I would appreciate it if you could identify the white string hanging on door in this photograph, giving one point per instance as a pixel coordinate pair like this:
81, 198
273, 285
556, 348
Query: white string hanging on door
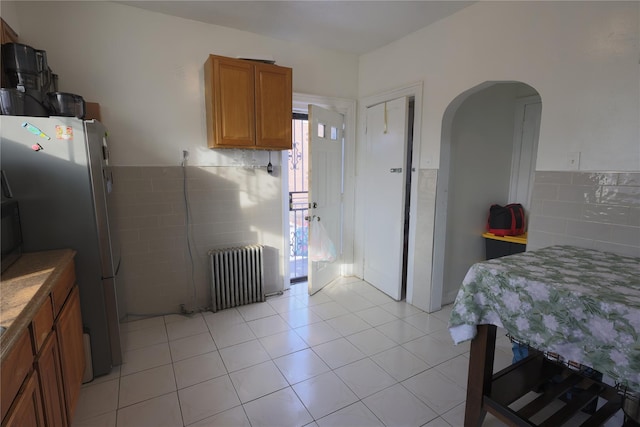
385, 118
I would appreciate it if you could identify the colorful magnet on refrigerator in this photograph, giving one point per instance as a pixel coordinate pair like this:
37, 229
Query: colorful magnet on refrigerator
37, 147
34, 130
64, 132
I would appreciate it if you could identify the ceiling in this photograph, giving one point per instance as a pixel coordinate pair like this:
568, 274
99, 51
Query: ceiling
354, 27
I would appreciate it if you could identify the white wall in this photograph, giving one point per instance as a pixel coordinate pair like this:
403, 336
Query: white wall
582, 57
8, 13
146, 71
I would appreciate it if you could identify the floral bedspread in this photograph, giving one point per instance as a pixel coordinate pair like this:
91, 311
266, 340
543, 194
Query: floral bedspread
580, 303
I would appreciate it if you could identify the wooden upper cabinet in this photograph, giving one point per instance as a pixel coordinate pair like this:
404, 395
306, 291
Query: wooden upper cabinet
7, 35
274, 106
248, 104
233, 103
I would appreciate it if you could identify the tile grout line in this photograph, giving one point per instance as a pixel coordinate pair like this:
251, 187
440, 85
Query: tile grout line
173, 369
309, 347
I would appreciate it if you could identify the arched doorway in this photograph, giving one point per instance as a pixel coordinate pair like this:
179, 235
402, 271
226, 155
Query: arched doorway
481, 162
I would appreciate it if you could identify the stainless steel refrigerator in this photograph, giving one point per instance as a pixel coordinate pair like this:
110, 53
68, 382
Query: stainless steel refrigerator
58, 171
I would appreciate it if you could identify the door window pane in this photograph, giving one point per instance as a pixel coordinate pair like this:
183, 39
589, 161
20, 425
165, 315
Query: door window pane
334, 133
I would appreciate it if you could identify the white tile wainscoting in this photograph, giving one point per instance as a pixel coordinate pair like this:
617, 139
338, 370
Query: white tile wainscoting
597, 210
228, 206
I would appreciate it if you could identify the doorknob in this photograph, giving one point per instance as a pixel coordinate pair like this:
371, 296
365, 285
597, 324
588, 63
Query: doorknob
395, 170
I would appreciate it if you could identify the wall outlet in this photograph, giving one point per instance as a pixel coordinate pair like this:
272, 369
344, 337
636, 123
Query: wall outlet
573, 160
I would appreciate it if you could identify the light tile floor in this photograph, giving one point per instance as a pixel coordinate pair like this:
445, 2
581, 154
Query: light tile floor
347, 356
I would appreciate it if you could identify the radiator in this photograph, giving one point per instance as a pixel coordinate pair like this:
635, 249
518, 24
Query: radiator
236, 276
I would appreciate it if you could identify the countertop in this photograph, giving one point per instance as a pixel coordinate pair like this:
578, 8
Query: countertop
24, 287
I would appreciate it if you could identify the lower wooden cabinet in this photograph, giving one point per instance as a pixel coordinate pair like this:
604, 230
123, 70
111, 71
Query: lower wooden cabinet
42, 369
27, 408
69, 329
15, 368
50, 371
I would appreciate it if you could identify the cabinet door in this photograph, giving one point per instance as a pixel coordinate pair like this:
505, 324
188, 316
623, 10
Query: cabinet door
63, 286
14, 369
71, 346
42, 324
48, 367
231, 97
274, 107
27, 408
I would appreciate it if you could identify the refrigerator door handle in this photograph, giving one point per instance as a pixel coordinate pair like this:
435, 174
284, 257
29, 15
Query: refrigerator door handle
118, 267
108, 179
6, 189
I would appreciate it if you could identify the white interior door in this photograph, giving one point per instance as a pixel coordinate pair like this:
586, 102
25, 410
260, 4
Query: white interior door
326, 140
384, 184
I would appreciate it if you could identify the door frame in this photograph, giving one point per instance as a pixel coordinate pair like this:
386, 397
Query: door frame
435, 295
434, 301
413, 91
520, 109
347, 107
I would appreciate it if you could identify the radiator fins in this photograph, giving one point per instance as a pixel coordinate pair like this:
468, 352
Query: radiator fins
236, 276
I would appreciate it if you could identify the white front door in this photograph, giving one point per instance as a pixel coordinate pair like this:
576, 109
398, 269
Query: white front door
326, 140
384, 182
